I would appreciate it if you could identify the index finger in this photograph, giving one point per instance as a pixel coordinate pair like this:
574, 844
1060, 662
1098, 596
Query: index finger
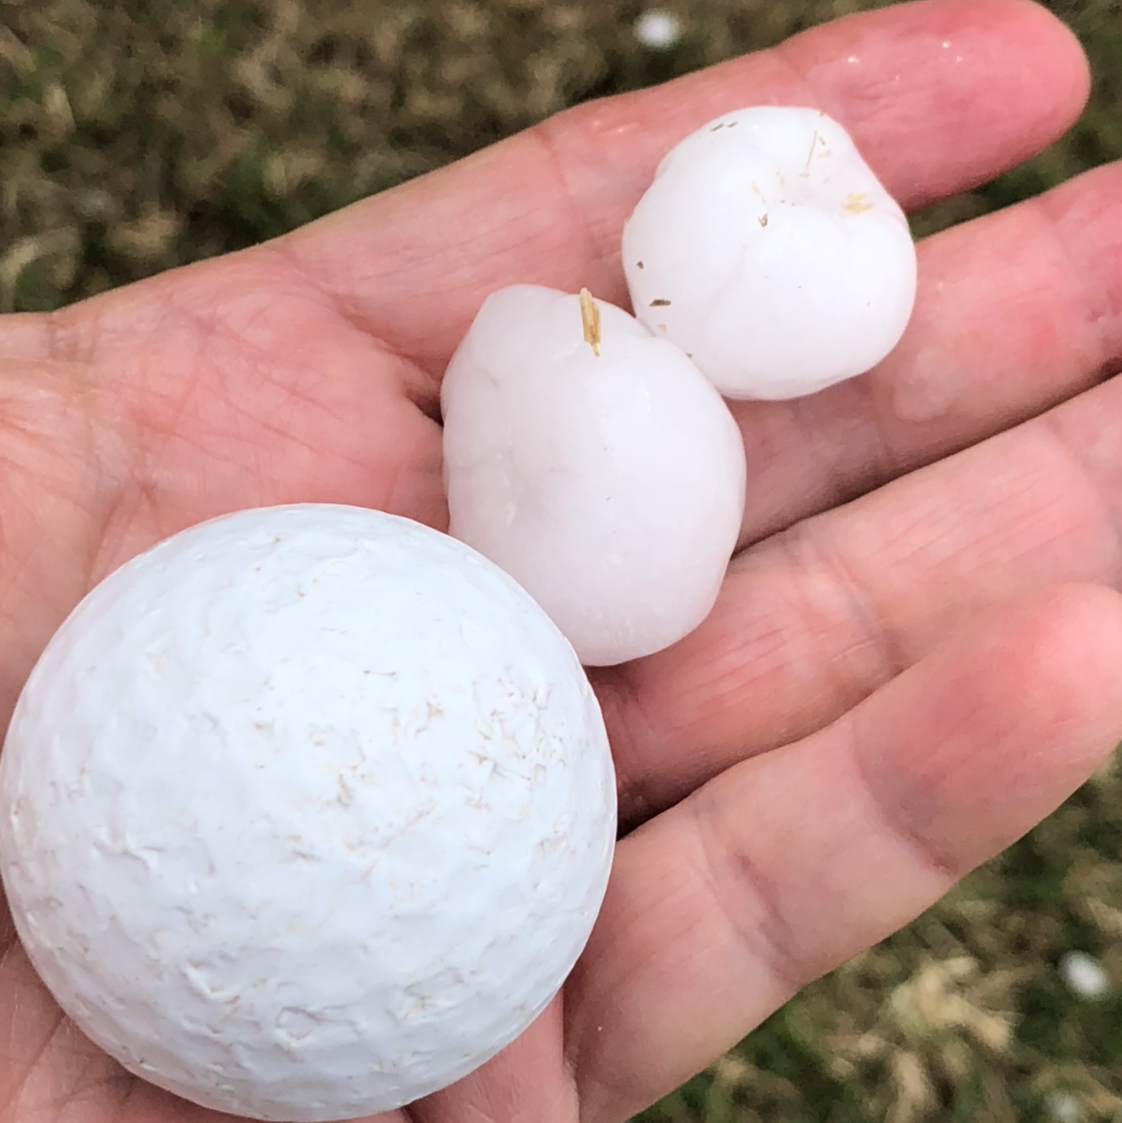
412, 266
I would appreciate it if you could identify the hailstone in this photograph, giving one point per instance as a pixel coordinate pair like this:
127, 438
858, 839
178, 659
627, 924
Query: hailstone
595, 464
769, 251
306, 812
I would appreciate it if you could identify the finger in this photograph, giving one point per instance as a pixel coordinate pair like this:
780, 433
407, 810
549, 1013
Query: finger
939, 94
721, 908
813, 620
1015, 312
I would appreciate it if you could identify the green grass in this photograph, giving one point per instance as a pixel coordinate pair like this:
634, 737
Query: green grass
144, 134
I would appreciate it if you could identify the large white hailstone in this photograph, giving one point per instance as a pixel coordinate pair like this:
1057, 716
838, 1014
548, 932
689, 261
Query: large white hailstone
596, 465
768, 250
306, 812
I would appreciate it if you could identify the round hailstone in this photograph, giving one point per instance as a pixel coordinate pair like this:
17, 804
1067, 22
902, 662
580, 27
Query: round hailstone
1085, 975
767, 249
596, 465
658, 30
306, 812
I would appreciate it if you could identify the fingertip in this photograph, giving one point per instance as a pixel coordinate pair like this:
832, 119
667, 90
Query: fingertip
1072, 638
1056, 49
995, 62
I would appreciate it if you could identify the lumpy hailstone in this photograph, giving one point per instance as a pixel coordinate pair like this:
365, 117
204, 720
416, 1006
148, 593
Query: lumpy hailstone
768, 250
600, 469
306, 812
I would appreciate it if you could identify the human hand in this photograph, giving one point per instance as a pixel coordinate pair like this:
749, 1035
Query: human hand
899, 677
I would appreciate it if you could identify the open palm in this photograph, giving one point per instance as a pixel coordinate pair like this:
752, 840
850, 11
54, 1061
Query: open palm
914, 657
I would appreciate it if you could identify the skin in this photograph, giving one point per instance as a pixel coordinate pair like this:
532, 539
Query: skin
914, 658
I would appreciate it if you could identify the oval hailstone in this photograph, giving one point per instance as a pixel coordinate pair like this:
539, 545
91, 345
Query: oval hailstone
596, 465
305, 812
768, 250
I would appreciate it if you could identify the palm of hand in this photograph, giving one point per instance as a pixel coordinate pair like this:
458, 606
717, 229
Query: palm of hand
812, 767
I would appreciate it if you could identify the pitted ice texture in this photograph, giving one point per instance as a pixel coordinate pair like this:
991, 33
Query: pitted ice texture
306, 812
610, 485
768, 250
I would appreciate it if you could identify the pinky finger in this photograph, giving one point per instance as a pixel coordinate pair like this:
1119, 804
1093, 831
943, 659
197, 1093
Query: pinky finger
791, 862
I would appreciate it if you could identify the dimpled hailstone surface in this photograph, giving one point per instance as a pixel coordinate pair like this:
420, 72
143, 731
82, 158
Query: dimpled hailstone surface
767, 249
610, 486
306, 812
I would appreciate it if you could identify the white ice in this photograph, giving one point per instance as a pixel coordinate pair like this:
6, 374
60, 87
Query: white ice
658, 30
768, 250
610, 486
1084, 975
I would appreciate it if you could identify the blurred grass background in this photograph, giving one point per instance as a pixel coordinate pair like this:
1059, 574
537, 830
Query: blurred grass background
142, 134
